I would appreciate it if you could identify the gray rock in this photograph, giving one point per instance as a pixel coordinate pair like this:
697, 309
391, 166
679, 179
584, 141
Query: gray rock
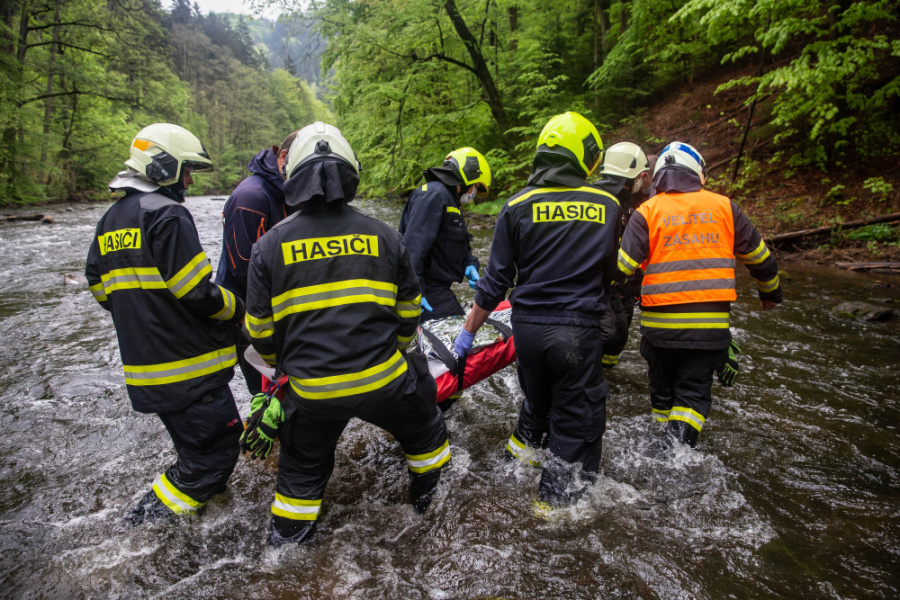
862, 311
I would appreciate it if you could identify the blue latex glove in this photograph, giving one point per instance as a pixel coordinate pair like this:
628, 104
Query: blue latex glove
463, 343
425, 305
472, 274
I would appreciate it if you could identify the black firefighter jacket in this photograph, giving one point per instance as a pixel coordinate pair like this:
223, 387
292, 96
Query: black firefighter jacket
557, 246
332, 300
146, 267
436, 237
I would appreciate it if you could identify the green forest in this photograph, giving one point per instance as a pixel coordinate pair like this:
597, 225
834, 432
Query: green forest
815, 82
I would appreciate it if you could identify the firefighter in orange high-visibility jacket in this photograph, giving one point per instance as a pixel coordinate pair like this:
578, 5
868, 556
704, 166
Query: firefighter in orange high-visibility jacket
686, 240
177, 330
333, 301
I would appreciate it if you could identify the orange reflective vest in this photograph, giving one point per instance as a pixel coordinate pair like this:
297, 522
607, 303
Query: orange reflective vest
691, 249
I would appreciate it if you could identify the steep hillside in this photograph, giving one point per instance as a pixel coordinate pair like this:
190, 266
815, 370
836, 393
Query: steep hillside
777, 198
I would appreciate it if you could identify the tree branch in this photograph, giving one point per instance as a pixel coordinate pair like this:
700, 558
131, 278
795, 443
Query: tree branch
67, 45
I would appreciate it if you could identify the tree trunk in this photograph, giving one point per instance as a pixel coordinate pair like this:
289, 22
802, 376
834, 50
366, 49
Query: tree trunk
48, 102
479, 66
513, 12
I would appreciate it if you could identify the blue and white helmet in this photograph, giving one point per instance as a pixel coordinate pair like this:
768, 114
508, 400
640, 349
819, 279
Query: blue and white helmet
679, 153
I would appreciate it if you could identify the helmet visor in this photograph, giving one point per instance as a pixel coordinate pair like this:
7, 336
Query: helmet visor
197, 166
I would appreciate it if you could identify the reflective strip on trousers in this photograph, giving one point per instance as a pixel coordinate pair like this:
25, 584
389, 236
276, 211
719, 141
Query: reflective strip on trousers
701, 320
129, 278
338, 386
339, 293
181, 370
688, 415
189, 276
178, 502
661, 415
610, 359
697, 264
259, 327
423, 463
522, 452
757, 256
692, 285
409, 309
229, 304
296, 509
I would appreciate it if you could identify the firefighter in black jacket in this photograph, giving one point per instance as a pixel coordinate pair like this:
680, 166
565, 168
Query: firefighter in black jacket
176, 329
333, 301
435, 231
626, 172
555, 242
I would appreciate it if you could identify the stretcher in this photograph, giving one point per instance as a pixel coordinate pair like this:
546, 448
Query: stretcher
492, 350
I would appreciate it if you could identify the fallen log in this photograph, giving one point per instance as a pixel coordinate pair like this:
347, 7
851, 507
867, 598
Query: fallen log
865, 266
8, 218
796, 235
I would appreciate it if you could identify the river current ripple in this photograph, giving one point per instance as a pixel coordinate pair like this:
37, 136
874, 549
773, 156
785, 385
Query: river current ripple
792, 492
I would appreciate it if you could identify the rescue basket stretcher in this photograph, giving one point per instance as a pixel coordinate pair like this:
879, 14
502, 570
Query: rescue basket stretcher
492, 350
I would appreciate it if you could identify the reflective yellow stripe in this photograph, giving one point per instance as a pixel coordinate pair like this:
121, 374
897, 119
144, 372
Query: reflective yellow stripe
425, 188
768, 286
181, 370
757, 256
406, 341
129, 278
177, 501
423, 463
519, 450
98, 292
338, 386
627, 264
259, 327
229, 305
610, 359
453, 209
701, 320
296, 509
661, 415
328, 295
189, 276
269, 358
555, 190
408, 309
688, 415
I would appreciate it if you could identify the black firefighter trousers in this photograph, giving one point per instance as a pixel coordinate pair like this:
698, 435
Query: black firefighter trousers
205, 435
443, 302
406, 409
681, 386
565, 402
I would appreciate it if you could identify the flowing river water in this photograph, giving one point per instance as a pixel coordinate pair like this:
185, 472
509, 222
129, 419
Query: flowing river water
791, 493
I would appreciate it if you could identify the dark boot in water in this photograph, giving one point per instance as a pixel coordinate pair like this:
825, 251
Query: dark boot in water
288, 531
683, 433
422, 488
149, 509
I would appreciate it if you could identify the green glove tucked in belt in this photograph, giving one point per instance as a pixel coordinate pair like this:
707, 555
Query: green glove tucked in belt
728, 373
262, 429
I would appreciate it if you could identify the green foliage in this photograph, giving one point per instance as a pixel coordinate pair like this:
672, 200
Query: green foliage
880, 232
87, 76
879, 187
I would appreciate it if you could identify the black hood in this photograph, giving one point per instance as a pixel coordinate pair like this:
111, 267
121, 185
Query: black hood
675, 178
321, 181
448, 176
175, 191
551, 169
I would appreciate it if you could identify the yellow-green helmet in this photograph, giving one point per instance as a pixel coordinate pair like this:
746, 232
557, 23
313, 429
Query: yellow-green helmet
572, 135
161, 151
473, 167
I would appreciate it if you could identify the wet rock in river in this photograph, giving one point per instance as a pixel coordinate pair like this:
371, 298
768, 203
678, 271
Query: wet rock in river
862, 311
74, 279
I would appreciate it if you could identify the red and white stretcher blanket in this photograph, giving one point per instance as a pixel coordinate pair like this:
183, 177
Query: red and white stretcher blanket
492, 350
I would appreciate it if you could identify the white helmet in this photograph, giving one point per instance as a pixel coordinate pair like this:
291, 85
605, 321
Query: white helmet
319, 140
625, 160
678, 153
160, 151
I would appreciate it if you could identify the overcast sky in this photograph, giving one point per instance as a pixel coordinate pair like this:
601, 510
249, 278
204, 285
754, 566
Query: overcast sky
233, 6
